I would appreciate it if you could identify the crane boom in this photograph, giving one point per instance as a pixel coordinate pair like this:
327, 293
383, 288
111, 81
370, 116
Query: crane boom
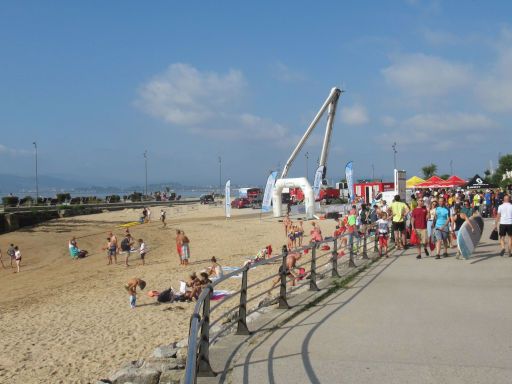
330, 104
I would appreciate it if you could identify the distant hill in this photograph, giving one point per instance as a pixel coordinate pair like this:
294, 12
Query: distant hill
14, 183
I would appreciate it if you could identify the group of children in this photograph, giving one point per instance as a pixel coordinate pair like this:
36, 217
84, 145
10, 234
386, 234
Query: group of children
14, 254
293, 232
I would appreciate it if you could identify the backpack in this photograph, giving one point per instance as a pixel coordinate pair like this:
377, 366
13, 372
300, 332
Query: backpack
125, 244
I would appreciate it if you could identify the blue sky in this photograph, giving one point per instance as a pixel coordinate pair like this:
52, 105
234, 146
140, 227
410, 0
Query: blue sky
96, 83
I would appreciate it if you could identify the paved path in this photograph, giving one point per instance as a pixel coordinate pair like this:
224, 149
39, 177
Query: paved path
403, 321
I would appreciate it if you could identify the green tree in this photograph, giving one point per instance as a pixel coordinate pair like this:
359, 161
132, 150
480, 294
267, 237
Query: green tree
445, 176
504, 166
429, 170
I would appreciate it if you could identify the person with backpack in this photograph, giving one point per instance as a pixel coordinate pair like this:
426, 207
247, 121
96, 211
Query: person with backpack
126, 247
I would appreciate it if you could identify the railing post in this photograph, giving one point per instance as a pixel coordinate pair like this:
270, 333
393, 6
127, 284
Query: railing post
283, 304
242, 309
204, 368
334, 253
351, 263
312, 274
365, 254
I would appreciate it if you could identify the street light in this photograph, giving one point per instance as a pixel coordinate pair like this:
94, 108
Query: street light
220, 175
37, 182
146, 166
307, 167
394, 153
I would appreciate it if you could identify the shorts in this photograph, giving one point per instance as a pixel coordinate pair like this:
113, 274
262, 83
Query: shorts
112, 251
185, 252
383, 240
178, 249
422, 236
143, 255
440, 235
398, 226
505, 229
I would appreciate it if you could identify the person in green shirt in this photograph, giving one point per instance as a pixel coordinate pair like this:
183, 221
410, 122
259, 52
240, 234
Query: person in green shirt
399, 211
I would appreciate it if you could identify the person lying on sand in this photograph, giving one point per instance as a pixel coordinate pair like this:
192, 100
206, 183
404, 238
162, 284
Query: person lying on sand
131, 287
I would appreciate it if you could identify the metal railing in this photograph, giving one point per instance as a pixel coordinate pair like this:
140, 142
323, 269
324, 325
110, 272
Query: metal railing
200, 337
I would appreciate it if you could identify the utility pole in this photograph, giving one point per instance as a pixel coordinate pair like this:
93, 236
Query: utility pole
394, 153
37, 181
307, 167
220, 175
146, 166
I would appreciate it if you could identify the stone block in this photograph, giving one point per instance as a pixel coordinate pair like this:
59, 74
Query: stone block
161, 364
172, 377
166, 351
136, 376
182, 343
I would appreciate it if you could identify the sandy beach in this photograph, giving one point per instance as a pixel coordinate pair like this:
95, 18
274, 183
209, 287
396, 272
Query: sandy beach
69, 321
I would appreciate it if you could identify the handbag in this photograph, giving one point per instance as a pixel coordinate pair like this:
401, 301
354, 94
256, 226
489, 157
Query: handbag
414, 238
431, 244
494, 235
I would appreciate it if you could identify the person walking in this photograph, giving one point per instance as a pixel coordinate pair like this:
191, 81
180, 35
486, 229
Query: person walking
162, 217
458, 218
419, 225
399, 211
11, 254
504, 220
442, 221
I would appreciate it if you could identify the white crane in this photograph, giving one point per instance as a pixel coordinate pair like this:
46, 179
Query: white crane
329, 105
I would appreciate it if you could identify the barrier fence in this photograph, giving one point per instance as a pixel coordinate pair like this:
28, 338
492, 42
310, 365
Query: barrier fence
203, 321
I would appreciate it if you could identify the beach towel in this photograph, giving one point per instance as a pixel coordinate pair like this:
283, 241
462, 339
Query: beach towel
183, 286
231, 269
220, 294
130, 224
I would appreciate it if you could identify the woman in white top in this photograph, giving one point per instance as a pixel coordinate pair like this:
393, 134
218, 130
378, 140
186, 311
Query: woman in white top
431, 214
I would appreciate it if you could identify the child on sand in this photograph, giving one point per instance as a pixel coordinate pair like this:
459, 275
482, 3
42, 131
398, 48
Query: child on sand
10, 252
142, 250
162, 217
111, 249
131, 287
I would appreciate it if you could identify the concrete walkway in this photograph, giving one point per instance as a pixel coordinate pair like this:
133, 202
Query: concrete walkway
402, 321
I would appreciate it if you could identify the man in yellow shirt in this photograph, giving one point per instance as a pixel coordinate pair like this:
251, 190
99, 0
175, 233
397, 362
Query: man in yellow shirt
399, 210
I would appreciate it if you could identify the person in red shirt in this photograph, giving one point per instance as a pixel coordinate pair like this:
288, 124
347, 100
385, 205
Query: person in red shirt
419, 217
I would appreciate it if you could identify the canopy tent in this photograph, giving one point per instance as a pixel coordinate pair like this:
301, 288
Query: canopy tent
413, 181
478, 183
456, 181
433, 182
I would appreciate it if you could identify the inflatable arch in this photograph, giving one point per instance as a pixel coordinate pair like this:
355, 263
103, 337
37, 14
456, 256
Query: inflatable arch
299, 182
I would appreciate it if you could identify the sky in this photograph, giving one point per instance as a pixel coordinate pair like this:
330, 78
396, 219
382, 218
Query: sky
96, 84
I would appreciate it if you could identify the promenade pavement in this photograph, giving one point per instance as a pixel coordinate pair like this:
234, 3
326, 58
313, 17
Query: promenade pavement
402, 320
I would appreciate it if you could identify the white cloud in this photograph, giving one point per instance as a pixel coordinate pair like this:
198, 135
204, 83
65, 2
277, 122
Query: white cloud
283, 73
440, 37
185, 96
206, 103
440, 131
4, 150
354, 115
419, 75
494, 89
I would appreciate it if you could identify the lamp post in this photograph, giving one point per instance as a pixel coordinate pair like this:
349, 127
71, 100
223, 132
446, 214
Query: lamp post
394, 153
220, 175
146, 167
306, 155
37, 182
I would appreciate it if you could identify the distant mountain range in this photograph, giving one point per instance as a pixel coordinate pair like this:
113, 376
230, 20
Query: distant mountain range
48, 185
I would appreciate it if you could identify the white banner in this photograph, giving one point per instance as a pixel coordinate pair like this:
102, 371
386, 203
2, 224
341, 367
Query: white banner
266, 204
400, 184
349, 175
227, 198
319, 175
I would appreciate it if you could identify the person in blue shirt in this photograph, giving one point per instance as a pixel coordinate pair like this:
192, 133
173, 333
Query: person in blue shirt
441, 228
